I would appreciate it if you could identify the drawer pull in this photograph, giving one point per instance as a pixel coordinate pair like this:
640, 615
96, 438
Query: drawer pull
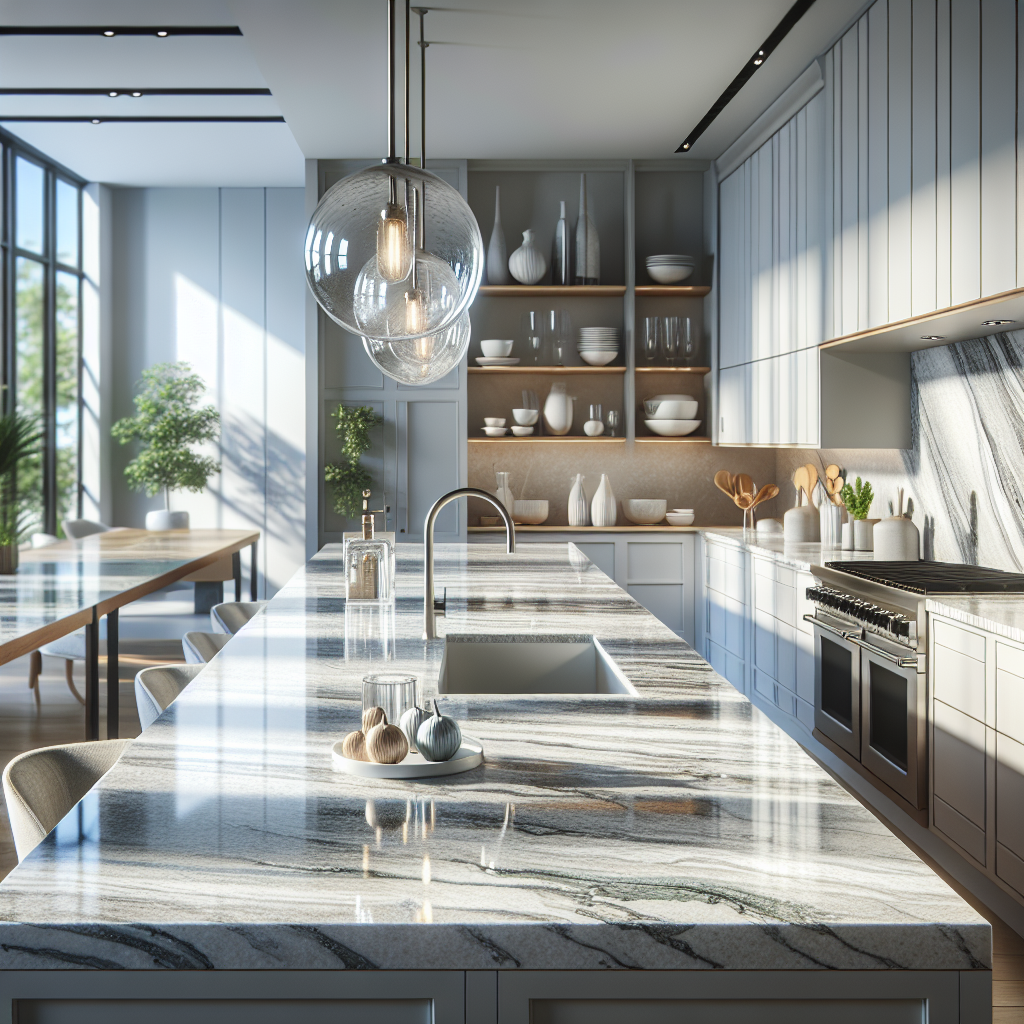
901, 662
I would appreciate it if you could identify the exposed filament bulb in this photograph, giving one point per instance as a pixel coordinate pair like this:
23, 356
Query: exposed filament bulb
394, 253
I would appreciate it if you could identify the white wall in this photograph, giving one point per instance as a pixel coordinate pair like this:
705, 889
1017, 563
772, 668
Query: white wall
214, 277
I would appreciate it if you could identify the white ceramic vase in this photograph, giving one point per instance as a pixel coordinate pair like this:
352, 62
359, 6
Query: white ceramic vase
497, 255
800, 525
579, 504
558, 411
165, 519
848, 534
863, 529
504, 492
603, 507
527, 264
896, 539
830, 524
588, 245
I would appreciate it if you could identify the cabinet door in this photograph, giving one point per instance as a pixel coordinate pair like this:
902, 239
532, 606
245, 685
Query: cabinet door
601, 554
1009, 804
663, 600
734, 405
764, 642
785, 655
958, 778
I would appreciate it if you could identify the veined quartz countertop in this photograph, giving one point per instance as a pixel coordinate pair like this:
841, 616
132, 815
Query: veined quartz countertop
676, 829
799, 556
997, 613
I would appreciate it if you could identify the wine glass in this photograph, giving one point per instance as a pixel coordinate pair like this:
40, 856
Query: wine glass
613, 421
652, 336
671, 338
688, 346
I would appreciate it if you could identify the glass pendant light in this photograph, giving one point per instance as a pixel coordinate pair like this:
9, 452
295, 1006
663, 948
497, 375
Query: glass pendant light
427, 358
359, 250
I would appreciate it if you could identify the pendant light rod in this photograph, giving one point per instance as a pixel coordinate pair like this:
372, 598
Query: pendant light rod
391, 81
423, 88
406, 81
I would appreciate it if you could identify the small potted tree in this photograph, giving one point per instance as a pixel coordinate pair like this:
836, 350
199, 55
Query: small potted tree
168, 420
19, 443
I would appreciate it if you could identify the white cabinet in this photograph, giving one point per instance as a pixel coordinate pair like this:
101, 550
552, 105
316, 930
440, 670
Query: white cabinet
725, 611
656, 569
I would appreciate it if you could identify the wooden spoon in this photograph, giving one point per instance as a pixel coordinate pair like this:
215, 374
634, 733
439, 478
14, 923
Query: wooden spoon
812, 482
724, 482
832, 473
744, 501
766, 493
744, 484
837, 490
800, 481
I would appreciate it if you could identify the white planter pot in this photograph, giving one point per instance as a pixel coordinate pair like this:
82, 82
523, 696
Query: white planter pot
863, 531
165, 519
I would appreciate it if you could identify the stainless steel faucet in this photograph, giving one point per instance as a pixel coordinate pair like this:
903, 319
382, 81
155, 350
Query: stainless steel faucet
429, 605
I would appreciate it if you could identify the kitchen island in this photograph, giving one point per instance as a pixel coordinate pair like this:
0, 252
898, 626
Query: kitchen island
604, 838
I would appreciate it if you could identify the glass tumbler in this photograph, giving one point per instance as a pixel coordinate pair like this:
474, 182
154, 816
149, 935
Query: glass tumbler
613, 421
671, 339
533, 328
688, 343
652, 337
395, 692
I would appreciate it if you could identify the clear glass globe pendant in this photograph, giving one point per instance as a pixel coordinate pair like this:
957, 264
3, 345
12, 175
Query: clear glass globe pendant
421, 360
359, 254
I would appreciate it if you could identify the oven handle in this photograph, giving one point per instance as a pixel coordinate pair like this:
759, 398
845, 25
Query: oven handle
894, 658
846, 634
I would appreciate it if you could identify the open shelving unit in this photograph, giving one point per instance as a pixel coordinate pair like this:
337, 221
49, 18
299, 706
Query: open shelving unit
547, 370
576, 291
548, 439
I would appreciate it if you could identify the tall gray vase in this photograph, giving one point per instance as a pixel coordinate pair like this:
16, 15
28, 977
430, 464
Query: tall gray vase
588, 245
497, 255
561, 251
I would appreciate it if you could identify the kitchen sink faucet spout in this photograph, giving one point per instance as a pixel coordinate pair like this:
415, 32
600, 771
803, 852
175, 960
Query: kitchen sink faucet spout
429, 604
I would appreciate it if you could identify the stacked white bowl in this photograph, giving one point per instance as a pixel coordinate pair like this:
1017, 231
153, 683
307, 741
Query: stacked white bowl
671, 415
670, 268
598, 346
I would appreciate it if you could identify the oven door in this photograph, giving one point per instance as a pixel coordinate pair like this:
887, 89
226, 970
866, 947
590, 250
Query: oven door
837, 664
893, 717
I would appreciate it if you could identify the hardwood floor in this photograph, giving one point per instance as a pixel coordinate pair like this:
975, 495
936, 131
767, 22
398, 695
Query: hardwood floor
59, 719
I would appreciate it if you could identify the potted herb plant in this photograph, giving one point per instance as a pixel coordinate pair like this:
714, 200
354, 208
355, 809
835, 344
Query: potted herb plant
347, 478
858, 503
168, 420
19, 443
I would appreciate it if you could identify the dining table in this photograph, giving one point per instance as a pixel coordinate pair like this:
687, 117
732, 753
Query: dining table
72, 584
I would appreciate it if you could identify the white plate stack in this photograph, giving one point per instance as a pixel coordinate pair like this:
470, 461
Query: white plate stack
670, 268
598, 346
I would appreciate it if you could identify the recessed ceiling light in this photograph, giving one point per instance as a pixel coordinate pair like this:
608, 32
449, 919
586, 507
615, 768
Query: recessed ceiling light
933, 337
95, 120
136, 94
112, 94
996, 323
162, 33
109, 32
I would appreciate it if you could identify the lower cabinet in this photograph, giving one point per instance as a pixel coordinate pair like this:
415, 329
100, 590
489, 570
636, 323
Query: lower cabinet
656, 569
977, 747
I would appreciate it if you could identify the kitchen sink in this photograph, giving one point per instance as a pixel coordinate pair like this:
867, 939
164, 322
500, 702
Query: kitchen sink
529, 664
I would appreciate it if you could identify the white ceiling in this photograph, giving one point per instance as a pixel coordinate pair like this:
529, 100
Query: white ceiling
506, 79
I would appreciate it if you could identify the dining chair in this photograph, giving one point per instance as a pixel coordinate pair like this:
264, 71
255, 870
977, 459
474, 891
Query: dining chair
76, 529
71, 648
231, 616
41, 786
157, 686
200, 647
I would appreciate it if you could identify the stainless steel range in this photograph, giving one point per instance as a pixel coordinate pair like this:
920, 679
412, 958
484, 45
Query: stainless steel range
869, 674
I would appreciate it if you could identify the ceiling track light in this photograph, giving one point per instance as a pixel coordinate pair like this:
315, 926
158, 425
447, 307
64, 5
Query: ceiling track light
394, 255
996, 323
933, 337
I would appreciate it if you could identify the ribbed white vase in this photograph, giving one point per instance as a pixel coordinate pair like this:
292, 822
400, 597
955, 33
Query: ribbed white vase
579, 506
603, 507
527, 264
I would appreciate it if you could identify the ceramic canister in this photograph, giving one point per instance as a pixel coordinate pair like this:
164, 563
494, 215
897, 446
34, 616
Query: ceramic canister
897, 540
800, 525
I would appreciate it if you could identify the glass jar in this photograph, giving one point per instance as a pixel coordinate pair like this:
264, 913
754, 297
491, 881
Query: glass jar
395, 692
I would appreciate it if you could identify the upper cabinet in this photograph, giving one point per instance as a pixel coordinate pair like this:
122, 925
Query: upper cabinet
892, 192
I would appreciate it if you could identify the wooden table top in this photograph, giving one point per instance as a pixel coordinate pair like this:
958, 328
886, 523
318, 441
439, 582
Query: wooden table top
56, 588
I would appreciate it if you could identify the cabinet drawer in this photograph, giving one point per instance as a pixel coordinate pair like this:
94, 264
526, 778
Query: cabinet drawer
963, 641
764, 567
785, 603
1010, 705
959, 681
725, 578
1010, 794
1009, 659
959, 763
731, 556
805, 666
764, 685
785, 575
654, 563
965, 834
764, 594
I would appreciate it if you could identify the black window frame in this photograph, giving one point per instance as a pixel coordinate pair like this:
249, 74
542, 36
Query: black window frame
11, 148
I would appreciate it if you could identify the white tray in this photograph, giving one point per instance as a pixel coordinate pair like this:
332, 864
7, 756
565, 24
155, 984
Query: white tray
415, 766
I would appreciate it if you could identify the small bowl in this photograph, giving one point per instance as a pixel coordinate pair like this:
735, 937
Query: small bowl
679, 518
644, 511
526, 417
522, 431
671, 407
672, 428
682, 511
490, 521
530, 511
598, 358
668, 274
495, 431
493, 348
494, 421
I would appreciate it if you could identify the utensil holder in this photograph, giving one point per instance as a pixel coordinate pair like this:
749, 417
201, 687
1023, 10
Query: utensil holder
800, 525
863, 534
830, 525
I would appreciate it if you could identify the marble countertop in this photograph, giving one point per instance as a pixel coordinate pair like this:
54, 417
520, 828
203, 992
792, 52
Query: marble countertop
799, 556
1000, 614
676, 829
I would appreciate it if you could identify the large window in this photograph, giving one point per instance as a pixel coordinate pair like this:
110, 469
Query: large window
41, 240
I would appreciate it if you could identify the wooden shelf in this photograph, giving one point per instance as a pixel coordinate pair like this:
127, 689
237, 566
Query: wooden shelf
547, 369
694, 291
571, 438
688, 439
581, 291
673, 369
632, 528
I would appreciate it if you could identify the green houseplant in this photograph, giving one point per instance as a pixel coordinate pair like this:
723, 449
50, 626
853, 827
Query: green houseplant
346, 477
858, 500
19, 445
168, 420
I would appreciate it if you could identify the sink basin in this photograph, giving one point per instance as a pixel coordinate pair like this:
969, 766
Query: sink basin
529, 664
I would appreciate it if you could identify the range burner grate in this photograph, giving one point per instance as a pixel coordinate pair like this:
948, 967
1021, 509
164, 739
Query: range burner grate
935, 577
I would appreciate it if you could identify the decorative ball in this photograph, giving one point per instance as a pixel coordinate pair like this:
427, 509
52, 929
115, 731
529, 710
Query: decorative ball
353, 746
411, 722
372, 717
439, 737
386, 744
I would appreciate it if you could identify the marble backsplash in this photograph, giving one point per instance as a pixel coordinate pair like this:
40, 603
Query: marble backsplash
965, 472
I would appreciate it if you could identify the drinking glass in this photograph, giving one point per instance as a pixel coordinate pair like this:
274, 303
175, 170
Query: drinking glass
688, 343
395, 692
558, 332
671, 338
533, 328
613, 421
652, 336
595, 412
530, 400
